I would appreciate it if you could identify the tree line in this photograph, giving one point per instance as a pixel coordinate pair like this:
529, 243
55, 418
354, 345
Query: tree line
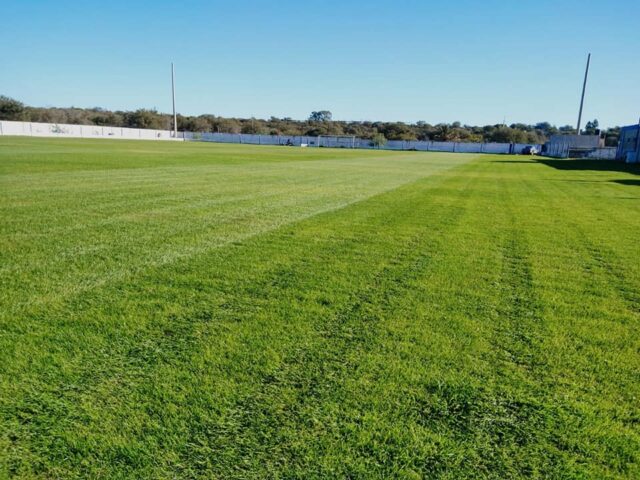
318, 123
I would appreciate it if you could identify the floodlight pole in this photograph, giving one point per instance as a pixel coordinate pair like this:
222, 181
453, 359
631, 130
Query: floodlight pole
173, 94
584, 88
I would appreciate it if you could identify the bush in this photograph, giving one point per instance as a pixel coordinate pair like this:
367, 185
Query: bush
378, 140
11, 109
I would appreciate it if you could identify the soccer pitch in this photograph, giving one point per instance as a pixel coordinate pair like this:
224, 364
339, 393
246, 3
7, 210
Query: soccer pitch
189, 310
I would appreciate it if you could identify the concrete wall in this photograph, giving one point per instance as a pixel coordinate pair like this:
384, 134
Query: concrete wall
82, 131
602, 153
347, 142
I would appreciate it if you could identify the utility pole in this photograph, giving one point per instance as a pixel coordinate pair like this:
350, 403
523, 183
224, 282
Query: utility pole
584, 88
173, 93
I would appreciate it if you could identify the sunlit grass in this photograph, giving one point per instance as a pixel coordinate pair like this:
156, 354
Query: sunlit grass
219, 311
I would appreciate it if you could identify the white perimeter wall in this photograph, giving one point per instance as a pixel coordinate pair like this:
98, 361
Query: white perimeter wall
91, 131
82, 131
342, 142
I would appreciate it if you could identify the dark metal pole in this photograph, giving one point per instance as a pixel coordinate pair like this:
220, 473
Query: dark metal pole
584, 88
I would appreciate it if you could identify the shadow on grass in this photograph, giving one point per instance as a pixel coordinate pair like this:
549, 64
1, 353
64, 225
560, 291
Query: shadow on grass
594, 165
627, 182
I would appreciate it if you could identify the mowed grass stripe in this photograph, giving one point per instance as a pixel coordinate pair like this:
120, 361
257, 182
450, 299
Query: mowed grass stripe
126, 228
315, 385
67, 155
607, 248
571, 351
353, 243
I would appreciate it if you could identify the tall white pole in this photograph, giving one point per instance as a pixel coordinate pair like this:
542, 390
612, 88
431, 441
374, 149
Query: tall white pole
173, 92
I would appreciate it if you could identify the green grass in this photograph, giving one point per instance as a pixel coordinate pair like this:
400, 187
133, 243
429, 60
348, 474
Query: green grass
219, 311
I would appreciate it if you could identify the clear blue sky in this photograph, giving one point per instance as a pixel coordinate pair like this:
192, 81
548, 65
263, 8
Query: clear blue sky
468, 60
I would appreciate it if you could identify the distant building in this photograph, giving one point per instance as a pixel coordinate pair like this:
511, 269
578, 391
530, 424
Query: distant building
629, 144
572, 146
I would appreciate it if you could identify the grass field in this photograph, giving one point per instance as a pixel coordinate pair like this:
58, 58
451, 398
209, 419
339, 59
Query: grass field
217, 311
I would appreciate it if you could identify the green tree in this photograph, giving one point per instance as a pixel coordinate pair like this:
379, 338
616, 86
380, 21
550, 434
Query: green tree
397, 131
442, 132
508, 135
379, 140
591, 127
227, 125
254, 127
143, 118
318, 123
321, 116
567, 130
11, 109
612, 136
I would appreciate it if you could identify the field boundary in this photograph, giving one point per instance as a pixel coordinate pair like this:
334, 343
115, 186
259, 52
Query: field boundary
33, 129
